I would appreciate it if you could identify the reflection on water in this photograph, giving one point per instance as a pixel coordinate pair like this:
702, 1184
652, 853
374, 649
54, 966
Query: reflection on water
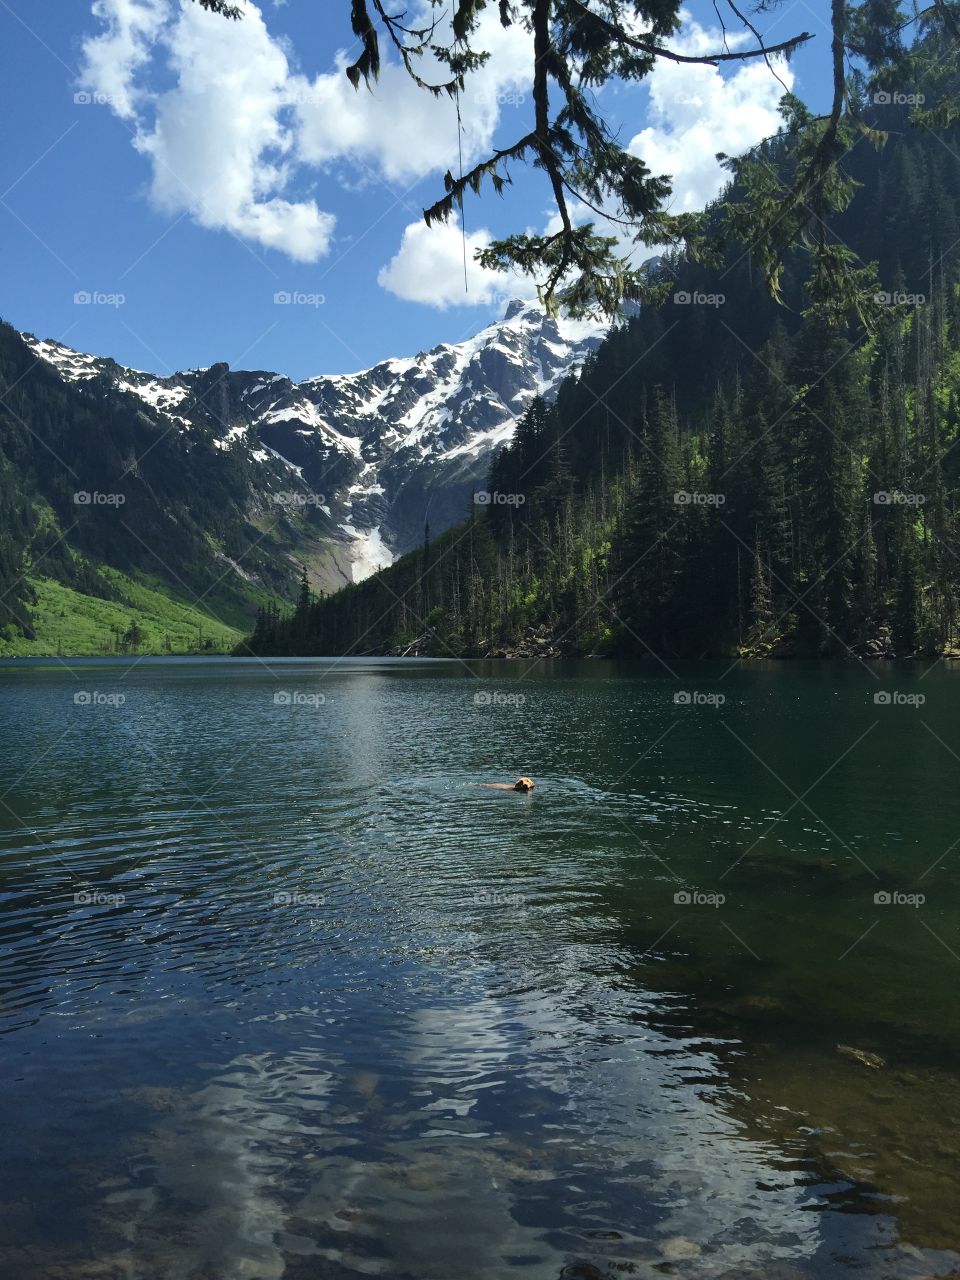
284, 993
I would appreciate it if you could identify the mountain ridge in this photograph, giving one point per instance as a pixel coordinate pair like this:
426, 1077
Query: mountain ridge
379, 452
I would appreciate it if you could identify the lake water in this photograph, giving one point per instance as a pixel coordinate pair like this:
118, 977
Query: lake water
284, 993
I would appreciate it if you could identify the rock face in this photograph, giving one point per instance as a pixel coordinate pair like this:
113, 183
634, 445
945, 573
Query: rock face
378, 453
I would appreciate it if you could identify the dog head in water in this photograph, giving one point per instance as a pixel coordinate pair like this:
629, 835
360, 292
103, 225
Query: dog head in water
524, 784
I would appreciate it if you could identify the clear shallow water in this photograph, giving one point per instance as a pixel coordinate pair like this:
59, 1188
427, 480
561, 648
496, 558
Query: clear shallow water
283, 993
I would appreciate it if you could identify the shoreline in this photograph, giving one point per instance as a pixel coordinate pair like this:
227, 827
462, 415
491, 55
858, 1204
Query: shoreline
638, 659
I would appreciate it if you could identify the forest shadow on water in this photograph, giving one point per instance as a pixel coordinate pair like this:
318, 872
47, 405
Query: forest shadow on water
285, 993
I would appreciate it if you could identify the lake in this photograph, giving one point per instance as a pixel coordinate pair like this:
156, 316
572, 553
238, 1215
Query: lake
285, 993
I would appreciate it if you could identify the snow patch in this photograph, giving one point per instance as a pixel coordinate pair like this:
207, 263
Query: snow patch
368, 552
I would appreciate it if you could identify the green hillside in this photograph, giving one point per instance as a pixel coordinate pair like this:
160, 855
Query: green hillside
110, 519
140, 619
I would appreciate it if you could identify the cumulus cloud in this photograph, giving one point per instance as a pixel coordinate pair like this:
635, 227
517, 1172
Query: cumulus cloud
113, 58
230, 127
697, 111
219, 147
694, 112
428, 268
232, 135
399, 130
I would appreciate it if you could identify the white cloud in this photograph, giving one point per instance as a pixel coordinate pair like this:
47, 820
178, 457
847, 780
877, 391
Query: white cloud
112, 59
697, 111
229, 139
229, 127
219, 148
428, 268
402, 132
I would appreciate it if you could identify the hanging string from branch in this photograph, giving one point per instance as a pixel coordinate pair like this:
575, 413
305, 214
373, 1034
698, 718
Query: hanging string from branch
463, 225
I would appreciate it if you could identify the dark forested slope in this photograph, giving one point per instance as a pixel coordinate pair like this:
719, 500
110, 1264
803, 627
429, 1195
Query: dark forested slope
727, 476
98, 494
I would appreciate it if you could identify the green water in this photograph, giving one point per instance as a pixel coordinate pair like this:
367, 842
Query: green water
284, 993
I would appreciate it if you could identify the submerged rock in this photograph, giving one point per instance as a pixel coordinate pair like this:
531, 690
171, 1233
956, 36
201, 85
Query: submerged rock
678, 1248
582, 1271
863, 1056
753, 1008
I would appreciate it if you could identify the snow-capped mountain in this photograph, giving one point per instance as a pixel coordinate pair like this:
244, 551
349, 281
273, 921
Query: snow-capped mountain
373, 455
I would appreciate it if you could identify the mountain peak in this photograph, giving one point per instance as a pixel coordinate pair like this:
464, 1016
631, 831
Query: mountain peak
515, 307
373, 452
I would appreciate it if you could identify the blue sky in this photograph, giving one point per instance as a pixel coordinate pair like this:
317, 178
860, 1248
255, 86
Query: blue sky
182, 172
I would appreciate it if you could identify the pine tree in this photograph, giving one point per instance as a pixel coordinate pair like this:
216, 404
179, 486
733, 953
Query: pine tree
762, 630
649, 563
